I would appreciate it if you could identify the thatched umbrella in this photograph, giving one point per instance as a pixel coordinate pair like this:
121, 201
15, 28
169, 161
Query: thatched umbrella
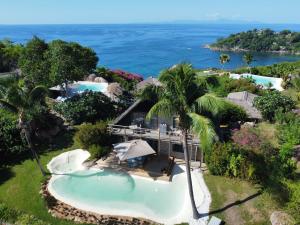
91, 77
114, 90
100, 80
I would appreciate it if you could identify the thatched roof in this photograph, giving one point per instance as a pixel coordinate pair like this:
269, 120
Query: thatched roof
114, 90
91, 77
148, 81
245, 100
100, 80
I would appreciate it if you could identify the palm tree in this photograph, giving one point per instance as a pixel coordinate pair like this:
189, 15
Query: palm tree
24, 102
224, 58
184, 95
248, 59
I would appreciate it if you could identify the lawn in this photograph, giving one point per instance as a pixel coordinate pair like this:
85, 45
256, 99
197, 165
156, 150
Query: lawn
239, 202
20, 186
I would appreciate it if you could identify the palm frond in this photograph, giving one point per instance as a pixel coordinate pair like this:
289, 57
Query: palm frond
150, 92
7, 106
210, 103
38, 94
163, 107
203, 127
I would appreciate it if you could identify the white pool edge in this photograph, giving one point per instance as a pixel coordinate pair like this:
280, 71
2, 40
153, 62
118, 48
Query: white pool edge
276, 85
199, 186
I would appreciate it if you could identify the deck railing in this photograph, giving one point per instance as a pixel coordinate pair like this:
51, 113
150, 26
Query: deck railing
156, 134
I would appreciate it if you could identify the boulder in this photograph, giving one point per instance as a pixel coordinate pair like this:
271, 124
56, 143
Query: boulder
91, 77
281, 218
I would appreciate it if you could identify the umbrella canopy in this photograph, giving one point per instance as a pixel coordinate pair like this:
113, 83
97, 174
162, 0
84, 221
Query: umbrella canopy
133, 149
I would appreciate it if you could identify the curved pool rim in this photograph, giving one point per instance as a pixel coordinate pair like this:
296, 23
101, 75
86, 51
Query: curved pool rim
202, 196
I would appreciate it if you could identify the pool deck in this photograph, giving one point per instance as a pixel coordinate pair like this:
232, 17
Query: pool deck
152, 168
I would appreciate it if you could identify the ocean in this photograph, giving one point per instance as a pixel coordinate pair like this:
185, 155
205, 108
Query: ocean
146, 49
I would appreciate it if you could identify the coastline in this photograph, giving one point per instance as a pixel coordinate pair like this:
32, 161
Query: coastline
208, 46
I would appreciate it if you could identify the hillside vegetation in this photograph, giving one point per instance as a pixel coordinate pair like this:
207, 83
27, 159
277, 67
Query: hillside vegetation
265, 40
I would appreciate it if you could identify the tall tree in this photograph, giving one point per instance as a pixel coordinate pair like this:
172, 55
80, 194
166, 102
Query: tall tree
70, 62
9, 55
248, 59
224, 58
33, 62
24, 102
182, 94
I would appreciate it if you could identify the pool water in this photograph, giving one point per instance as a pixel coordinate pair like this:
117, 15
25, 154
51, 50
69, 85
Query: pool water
261, 80
82, 86
111, 192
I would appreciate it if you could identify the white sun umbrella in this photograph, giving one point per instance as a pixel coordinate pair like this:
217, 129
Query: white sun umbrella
133, 149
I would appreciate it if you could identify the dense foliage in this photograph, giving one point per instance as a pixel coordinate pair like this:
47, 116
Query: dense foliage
93, 134
261, 41
223, 85
233, 161
271, 102
56, 63
12, 146
17, 217
9, 55
87, 107
125, 79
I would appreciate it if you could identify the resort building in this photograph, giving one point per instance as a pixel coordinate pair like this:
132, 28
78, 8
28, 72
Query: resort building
245, 100
162, 134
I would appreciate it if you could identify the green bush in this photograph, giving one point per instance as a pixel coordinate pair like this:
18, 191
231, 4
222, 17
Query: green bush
271, 102
89, 134
232, 113
98, 151
87, 107
293, 205
230, 160
7, 214
12, 146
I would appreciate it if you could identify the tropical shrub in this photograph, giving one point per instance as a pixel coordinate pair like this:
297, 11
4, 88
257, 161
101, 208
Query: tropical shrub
12, 146
232, 113
293, 205
98, 151
17, 217
271, 102
87, 107
89, 134
230, 160
225, 85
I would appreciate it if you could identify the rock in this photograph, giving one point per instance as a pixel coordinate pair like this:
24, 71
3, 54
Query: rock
281, 218
91, 77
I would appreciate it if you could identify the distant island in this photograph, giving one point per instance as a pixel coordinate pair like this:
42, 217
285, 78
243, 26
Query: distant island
266, 40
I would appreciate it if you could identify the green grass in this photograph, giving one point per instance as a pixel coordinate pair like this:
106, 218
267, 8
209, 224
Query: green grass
239, 202
268, 132
19, 189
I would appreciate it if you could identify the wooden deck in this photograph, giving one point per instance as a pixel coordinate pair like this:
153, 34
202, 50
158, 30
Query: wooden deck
144, 133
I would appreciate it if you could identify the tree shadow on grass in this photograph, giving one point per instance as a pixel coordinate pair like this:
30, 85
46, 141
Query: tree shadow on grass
238, 202
5, 174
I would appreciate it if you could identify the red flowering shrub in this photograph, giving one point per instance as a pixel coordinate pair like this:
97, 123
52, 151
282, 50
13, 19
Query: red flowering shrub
127, 76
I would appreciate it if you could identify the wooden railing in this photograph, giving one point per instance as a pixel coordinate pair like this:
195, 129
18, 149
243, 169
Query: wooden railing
132, 131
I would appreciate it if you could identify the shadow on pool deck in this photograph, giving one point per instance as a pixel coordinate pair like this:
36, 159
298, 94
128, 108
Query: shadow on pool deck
152, 168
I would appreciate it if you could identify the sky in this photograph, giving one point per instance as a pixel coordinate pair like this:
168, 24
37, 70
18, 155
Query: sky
147, 11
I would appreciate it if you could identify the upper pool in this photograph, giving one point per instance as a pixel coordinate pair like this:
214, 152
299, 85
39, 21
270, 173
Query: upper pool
110, 192
261, 80
82, 86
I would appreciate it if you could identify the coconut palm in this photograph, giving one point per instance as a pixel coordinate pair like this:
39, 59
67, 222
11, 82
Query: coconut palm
224, 58
24, 102
248, 59
181, 94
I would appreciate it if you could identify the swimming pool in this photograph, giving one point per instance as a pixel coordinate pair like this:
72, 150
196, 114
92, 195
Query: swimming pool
261, 80
109, 192
82, 86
